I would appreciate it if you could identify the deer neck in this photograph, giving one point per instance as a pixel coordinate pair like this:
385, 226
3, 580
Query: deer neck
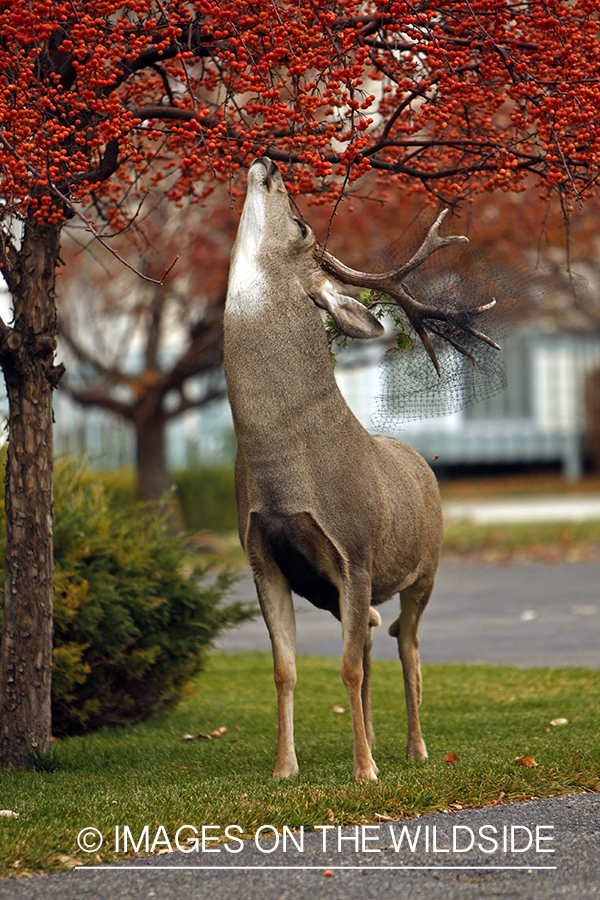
277, 363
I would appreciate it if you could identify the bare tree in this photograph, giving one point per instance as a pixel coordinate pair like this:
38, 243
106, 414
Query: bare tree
138, 347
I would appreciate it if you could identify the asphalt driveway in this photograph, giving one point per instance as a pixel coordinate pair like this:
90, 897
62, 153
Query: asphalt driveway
546, 849
528, 614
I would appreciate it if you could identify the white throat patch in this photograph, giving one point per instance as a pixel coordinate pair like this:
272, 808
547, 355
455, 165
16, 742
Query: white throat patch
246, 278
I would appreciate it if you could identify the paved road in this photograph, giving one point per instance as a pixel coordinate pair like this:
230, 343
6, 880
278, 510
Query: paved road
524, 615
507, 859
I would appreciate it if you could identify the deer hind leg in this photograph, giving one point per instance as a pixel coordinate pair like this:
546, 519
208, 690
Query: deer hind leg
277, 608
374, 621
413, 601
355, 613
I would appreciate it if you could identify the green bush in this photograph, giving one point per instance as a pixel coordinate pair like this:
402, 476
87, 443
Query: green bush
131, 623
207, 498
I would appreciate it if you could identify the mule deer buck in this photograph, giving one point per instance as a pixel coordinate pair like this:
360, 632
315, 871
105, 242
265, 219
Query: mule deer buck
344, 518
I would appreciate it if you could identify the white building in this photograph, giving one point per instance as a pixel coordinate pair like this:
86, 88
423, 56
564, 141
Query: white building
539, 418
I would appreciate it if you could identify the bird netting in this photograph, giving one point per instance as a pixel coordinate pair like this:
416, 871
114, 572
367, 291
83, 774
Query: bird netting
478, 301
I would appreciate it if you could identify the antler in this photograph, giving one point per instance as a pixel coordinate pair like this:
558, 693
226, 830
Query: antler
391, 284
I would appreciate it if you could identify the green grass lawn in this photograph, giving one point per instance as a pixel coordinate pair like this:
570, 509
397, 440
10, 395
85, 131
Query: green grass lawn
147, 774
545, 541
522, 538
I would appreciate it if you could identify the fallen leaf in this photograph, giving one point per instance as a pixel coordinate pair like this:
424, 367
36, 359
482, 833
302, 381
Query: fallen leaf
197, 737
69, 862
451, 759
163, 850
338, 709
383, 818
330, 815
15, 864
8, 814
559, 721
528, 761
218, 732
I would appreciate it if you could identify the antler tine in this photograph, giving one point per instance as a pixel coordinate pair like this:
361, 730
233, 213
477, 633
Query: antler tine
420, 329
462, 350
390, 283
481, 336
432, 243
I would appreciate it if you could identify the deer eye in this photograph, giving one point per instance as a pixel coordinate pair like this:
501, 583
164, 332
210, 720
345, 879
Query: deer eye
302, 227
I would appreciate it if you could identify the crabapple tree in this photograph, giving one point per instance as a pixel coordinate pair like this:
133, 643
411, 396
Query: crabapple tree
101, 103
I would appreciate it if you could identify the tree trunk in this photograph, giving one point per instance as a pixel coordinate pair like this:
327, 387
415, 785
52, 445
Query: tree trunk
27, 360
152, 474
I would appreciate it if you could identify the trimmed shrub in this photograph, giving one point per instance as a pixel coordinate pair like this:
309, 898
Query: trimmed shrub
131, 623
207, 498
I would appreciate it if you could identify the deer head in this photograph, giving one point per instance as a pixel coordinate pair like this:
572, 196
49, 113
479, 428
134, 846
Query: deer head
273, 241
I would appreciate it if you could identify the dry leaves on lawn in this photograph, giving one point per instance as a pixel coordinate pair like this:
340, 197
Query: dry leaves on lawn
217, 733
451, 759
528, 761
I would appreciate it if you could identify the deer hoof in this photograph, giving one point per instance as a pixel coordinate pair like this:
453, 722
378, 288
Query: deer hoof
290, 770
367, 773
416, 751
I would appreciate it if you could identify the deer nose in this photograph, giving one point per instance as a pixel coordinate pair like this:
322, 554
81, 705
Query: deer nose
269, 165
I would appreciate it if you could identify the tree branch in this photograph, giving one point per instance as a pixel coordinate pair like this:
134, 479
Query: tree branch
87, 222
187, 403
11, 269
86, 356
95, 396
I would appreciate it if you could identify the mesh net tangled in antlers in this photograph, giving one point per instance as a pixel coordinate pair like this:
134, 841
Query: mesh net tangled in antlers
449, 309
457, 280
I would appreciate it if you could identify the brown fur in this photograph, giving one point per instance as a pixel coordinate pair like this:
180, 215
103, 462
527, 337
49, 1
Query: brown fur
343, 517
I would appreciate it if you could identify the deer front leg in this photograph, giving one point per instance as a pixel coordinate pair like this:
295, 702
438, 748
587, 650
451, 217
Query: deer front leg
413, 601
355, 611
374, 621
278, 611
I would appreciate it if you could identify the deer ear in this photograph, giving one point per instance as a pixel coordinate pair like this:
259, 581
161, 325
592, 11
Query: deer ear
349, 315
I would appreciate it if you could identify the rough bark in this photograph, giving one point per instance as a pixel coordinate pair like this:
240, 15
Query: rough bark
27, 359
